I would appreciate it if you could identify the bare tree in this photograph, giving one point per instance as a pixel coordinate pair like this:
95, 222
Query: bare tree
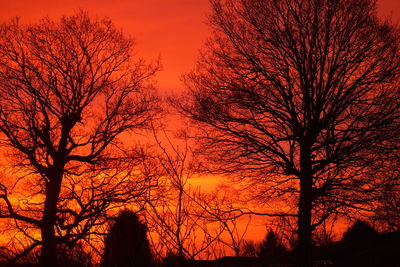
292, 95
324, 234
176, 221
68, 90
85, 203
387, 210
387, 207
220, 209
184, 221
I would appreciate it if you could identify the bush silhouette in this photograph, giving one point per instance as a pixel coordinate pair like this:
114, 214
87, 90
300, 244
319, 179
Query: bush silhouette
360, 234
271, 245
126, 243
173, 260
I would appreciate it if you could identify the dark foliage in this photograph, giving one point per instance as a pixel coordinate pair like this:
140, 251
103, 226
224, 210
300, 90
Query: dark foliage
362, 245
126, 243
271, 245
360, 234
173, 260
67, 256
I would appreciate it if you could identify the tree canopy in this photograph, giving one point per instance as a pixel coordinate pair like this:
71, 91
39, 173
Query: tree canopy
68, 90
292, 95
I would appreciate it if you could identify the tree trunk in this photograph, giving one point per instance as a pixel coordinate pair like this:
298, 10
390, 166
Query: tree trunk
304, 232
49, 247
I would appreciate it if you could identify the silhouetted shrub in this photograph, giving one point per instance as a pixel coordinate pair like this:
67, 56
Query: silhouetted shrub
173, 260
75, 256
359, 234
126, 243
271, 245
249, 248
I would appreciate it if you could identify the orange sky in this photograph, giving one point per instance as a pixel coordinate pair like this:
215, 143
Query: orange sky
174, 29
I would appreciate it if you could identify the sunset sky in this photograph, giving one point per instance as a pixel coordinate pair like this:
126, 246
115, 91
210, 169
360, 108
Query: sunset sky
171, 29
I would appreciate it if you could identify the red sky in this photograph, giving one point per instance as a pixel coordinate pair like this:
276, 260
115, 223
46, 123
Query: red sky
173, 29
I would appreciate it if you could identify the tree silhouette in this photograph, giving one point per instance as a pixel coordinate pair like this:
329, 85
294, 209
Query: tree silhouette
172, 260
292, 96
126, 243
387, 208
360, 234
271, 245
249, 248
180, 225
68, 90
74, 257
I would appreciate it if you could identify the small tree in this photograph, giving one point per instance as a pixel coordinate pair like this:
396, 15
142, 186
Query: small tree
249, 248
271, 245
179, 225
126, 243
184, 222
